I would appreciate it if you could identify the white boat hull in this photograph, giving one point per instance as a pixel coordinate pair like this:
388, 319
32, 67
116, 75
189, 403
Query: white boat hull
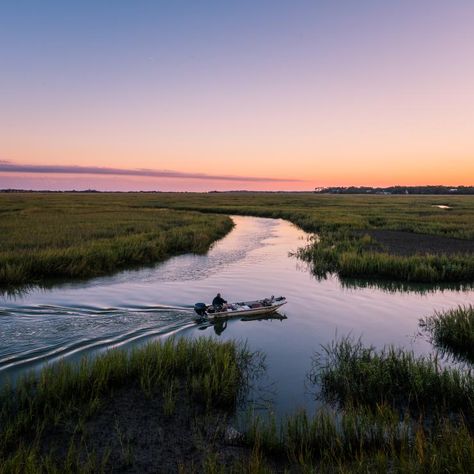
246, 312
240, 310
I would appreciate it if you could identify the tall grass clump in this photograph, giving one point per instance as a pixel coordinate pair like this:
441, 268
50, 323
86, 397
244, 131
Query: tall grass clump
452, 331
350, 373
210, 375
361, 440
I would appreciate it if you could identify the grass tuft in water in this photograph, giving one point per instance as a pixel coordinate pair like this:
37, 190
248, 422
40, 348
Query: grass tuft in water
351, 374
452, 331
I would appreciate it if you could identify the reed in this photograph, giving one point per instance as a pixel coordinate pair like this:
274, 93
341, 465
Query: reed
80, 458
361, 440
452, 331
351, 374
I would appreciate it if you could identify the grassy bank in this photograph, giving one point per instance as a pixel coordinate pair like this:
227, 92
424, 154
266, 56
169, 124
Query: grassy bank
66, 236
95, 416
452, 331
354, 256
165, 408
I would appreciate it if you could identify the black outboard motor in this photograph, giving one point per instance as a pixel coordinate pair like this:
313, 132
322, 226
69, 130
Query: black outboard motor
200, 309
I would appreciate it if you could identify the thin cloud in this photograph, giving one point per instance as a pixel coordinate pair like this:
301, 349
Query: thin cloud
9, 167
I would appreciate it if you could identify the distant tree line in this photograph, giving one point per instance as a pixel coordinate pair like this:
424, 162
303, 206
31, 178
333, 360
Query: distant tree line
397, 190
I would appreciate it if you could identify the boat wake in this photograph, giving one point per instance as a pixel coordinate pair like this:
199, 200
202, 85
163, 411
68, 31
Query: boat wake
74, 331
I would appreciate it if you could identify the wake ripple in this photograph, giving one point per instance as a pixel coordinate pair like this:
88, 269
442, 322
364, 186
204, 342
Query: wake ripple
82, 330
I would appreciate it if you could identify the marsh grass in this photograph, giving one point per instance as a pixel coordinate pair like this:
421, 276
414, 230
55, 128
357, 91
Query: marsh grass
77, 236
362, 440
396, 412
329, 213
71, 235
351, 374
125, 445
64, 396
452, 331
352, 256
80, 458
169, 397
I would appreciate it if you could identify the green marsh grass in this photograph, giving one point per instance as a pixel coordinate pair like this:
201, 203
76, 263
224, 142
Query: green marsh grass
211, 374
393, 412
316, 213
361, 440
452, 331
354, 257
169, 397
375, 429
80, 458
351, 374
45, 236
82, 235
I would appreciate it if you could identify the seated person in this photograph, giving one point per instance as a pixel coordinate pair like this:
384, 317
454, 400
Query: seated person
219, 303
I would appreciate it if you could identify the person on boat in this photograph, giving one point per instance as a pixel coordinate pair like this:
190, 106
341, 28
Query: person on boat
219, 303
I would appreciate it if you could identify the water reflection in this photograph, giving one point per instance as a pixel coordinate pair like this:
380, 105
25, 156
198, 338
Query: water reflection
404, 287
220, 325
389, 286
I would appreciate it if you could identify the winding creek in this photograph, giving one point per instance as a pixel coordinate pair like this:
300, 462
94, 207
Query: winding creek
83, 318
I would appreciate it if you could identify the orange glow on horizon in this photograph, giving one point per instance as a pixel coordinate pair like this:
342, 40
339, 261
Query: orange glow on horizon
348, 93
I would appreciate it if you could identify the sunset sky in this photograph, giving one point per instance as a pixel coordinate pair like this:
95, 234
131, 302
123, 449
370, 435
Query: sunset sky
202, 95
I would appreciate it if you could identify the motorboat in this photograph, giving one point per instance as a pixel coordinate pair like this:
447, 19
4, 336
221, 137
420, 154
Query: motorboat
245, 308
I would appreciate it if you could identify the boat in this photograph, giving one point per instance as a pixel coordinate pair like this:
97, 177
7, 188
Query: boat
265, 317
245, 308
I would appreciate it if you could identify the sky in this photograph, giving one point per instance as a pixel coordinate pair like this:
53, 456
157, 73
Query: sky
213, 95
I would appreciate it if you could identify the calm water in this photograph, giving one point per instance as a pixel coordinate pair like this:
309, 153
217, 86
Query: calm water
253, 261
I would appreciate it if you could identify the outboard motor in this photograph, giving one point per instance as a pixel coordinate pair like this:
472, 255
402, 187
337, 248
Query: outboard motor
200, 309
